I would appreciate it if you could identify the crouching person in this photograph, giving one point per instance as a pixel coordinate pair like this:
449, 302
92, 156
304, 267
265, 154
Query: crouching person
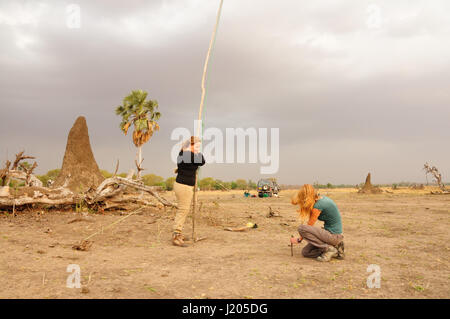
323, 243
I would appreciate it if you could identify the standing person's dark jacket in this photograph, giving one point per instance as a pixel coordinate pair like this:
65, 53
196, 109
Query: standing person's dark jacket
188, 163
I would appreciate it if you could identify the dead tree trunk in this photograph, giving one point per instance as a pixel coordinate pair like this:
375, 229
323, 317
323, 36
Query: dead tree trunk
110, 193
436, 175
114, 192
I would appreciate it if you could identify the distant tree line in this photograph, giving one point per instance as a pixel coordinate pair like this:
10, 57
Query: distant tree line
329, 185
207, 183
210, 183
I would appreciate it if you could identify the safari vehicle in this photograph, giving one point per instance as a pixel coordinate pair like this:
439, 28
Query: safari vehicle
267, 187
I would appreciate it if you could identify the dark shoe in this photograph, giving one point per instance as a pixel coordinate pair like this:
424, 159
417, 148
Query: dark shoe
328, 254
341, 252
177, 240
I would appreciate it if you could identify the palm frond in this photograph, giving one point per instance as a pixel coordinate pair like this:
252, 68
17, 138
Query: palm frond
126, 127
156, 116
119, 110
136, 110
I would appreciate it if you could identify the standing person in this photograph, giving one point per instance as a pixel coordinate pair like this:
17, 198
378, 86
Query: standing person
188, 161
323, 243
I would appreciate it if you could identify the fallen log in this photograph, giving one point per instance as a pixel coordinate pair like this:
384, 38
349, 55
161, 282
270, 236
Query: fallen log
130, 201
110, 193
36, 195
110, 187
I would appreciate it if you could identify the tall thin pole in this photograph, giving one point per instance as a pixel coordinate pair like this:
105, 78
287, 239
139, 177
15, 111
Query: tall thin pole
200, 111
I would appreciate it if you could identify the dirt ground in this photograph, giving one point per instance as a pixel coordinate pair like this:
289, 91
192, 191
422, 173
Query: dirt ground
405, 233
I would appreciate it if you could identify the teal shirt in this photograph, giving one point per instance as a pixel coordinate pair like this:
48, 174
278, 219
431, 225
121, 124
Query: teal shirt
329, 214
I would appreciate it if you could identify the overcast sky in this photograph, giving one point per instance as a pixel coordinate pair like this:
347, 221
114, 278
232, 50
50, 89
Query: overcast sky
354, 86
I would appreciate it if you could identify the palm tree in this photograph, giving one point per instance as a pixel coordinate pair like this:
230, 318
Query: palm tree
136, 110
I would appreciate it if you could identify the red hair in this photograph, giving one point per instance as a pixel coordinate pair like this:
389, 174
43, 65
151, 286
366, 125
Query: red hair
306, 197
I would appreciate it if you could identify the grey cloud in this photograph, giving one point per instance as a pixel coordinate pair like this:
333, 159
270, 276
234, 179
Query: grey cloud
310, 68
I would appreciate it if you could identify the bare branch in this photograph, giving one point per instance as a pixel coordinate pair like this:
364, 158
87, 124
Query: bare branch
20, 157
5, 172
139, 167
117, 168
110, 187
436, 175
28, 172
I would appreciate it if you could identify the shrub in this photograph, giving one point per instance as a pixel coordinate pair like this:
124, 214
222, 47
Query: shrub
169, 183
241, 184
251, 184
51, 175
153, 180
207, 183
105, 173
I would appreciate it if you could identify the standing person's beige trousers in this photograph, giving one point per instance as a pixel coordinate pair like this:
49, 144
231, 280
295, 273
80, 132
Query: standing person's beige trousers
184, 195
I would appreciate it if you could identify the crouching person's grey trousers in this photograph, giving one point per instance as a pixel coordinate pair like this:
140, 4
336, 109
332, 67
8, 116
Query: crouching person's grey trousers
318, 240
